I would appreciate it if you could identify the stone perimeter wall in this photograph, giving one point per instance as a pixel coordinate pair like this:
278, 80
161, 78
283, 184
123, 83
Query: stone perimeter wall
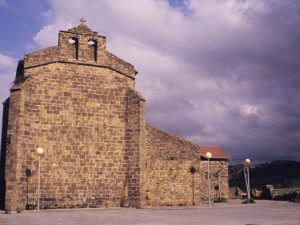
169, 162
218, 170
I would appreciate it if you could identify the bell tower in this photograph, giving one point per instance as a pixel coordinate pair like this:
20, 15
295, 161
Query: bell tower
81, 44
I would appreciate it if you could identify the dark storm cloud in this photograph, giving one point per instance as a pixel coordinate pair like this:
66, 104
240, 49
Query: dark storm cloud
268, 61
215, 72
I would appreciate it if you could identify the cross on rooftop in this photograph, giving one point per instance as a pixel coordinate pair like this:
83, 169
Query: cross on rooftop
82, 21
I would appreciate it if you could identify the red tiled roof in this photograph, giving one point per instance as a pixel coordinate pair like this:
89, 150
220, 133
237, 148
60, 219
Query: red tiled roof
216, 152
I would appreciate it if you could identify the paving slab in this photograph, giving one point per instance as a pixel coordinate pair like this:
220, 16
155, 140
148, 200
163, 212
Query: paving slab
230, 213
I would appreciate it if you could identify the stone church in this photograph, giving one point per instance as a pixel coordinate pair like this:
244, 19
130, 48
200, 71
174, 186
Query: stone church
78, 102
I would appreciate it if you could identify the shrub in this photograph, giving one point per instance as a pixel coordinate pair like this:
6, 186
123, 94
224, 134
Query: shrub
220, 200
30, 207
295, 200
248, 201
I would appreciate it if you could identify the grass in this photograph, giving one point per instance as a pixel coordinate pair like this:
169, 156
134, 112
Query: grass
286, 190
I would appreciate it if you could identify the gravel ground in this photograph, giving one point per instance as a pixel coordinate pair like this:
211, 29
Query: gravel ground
231, 213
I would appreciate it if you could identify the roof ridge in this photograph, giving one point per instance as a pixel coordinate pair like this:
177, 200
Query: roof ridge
219, 151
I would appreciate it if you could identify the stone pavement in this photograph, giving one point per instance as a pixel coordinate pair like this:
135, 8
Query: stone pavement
231, 213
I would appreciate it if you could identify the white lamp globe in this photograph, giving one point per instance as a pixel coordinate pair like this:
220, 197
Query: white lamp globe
247, 161
39, 150
208, 155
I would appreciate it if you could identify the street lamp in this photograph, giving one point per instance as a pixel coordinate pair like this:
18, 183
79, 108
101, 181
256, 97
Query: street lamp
39, 151
208, 155
247, 165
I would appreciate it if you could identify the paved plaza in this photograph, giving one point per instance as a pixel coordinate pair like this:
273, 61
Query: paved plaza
231, 213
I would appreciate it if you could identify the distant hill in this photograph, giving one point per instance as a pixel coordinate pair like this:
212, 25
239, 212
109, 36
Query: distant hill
280, 173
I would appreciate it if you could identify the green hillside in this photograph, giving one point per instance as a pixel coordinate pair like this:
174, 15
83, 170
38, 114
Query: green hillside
280, 173
287, 190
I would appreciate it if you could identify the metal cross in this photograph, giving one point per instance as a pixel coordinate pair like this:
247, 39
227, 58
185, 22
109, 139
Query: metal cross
82, 21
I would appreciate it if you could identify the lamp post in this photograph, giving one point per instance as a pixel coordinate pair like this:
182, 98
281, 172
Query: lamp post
39, 151
208, 155
247, 165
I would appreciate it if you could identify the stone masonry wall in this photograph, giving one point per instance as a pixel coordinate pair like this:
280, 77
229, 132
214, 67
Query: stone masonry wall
80, 52
88, 119
12, 168
218, 170
5, 142
169, 162
78, 115
134, 156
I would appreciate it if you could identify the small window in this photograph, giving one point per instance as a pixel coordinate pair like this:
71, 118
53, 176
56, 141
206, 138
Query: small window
206, 175
172, 158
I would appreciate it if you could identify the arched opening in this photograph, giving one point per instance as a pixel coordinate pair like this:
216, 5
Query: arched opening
74, 49
92, 49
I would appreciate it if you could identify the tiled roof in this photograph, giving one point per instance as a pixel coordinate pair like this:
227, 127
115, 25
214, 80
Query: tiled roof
216, 152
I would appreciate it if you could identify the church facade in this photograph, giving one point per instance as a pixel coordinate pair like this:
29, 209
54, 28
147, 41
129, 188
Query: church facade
78, 102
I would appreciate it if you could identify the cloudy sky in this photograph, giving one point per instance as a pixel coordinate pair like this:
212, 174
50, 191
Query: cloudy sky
216, 72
